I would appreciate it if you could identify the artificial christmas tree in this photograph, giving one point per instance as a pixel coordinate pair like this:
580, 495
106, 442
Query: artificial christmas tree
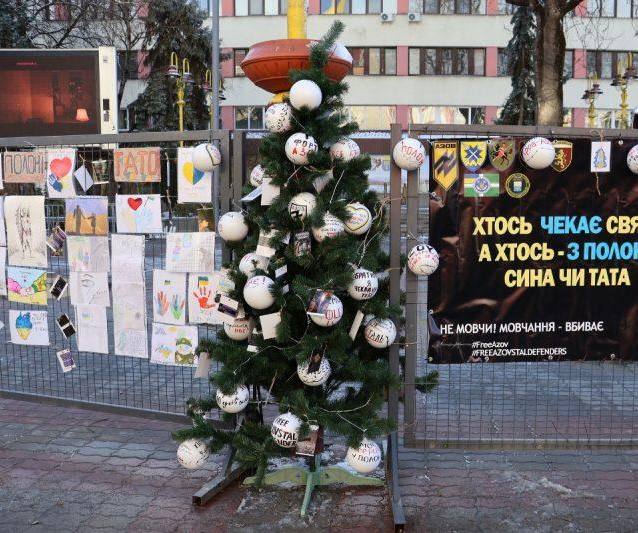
318, 371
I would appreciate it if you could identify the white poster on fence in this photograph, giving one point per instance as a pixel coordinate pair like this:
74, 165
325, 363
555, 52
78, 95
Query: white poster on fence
129, 317
89, 288
26, 233
138, 213
88, 254
60, 166
169, 297
193, 185
190, 252
174, 345
29, 328
128, 256
92, 328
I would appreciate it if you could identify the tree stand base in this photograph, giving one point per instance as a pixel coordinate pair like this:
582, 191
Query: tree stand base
315, 476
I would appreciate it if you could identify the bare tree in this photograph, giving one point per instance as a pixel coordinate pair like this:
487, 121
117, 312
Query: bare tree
550, 56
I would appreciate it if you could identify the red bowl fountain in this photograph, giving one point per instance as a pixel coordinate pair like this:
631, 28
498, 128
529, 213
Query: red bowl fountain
268, 63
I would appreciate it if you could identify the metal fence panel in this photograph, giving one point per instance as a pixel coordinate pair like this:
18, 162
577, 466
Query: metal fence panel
112, 380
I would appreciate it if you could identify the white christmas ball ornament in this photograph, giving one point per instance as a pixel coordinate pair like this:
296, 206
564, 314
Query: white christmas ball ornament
317, 378
345, 150
364, 285
238, 330
332, 226
380, 332
232, 226
192, 453
285, 430
331, 312
366, 458
298, 146
538, 153
235, 402
359, 218
305, 93
206, 157
257, 292
302, 205
408, 154
423, 260
251, 262
257, 175
278, 118
632, 159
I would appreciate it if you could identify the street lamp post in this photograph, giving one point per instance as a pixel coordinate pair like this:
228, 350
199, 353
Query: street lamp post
592, 92
621, 82
182, 78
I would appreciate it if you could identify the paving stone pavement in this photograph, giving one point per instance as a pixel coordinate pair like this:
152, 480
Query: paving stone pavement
67, 469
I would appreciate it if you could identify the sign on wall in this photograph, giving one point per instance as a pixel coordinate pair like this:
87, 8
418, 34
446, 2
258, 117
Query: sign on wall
536, 265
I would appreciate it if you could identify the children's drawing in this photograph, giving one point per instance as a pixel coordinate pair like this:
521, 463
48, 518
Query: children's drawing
193, 185
138, 213
92, 328
129, 317
87, 215
29, 327
26, 233
174, 345
202, 289
89, 288
190, 252
169, 297
88, 254
60, 165
137, 164
27, 285
128, 256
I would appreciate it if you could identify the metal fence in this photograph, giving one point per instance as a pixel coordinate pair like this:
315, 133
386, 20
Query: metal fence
563, 403
136, 385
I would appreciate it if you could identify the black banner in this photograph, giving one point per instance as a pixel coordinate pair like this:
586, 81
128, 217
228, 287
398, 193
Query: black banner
536, 265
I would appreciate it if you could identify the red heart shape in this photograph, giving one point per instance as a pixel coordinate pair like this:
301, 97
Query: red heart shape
61, 167
134, 203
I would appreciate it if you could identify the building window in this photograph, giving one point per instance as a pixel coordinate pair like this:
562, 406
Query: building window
504, 8
249, 118
453, 7
374, 61
371, 117
127, 68
446, 61
238, 56
607, 64
447, 115
350, 7
244, 8
503, 67
204, 5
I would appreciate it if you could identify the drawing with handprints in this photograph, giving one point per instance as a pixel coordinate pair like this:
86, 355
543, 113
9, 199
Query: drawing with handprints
26, 233
27, 285
202, 307
169, 297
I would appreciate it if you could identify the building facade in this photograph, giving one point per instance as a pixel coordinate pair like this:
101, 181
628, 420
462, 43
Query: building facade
430, 61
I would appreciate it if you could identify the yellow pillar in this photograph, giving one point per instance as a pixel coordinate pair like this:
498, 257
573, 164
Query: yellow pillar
296, 19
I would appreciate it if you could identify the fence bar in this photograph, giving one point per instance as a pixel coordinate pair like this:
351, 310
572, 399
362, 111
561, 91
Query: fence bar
478, 130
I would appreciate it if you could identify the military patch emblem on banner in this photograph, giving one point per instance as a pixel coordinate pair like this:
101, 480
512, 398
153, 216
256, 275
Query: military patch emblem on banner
502, 153
473, 154
446, 163
563, 158
517, 185
480, 185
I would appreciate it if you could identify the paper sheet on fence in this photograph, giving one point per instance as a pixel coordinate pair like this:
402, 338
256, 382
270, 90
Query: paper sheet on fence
27, 285
60, 166
26, 233
3, 229
138, 213
169, 297
201, 298
87, 215
3, 271
88, 254
190, 252
89, 288
92, 328
29, 327
193, 186
174, 345
129, 296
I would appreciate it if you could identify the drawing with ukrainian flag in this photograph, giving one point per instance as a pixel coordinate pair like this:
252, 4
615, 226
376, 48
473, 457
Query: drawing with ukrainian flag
480, 185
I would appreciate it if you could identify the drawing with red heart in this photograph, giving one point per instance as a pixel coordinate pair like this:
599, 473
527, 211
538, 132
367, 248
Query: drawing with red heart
61, 167
134, 203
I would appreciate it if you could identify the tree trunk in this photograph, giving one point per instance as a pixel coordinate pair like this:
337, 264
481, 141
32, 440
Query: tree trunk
550, 58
